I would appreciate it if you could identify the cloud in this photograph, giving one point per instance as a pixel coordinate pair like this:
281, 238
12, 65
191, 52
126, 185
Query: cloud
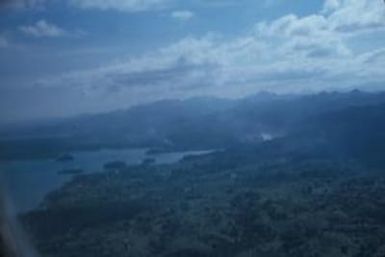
181, 64
21, 3
44, 29
3, 42
353, 15
183, 15
120, 5
331, 5
289, 54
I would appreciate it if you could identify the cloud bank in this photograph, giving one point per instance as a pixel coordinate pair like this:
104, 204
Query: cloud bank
291, 53
338, 47
43, 29
120, 5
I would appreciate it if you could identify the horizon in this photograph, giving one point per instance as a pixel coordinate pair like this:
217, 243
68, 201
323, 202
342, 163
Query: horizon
39, 121
63, 59
192, 128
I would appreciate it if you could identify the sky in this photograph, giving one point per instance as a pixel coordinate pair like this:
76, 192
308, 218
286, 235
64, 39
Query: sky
64, 58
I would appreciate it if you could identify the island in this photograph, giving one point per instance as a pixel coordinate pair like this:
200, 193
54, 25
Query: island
317, 190
243, 202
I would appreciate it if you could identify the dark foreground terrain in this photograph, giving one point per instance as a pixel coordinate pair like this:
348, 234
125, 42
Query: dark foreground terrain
208, 207
316, 190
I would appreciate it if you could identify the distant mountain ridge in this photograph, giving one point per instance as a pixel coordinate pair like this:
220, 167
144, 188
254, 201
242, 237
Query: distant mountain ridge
197, 123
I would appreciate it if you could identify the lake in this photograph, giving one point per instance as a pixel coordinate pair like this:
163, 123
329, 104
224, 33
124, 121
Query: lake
27, 182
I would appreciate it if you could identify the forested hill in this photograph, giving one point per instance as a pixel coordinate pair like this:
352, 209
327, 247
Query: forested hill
317, 190
201, 123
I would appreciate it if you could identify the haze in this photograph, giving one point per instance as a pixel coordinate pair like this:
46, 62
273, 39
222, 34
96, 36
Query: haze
63, 58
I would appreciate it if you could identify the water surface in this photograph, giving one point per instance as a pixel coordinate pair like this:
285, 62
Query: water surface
27, 182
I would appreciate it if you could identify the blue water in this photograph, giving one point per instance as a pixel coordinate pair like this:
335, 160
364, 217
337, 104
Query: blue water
27, 182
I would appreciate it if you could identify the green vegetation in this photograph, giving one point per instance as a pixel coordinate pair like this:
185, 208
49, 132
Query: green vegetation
317, 190
193, 124
275, 207
71, 171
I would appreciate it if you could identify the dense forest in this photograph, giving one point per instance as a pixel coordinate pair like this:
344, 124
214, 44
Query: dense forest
196, 123
315, 188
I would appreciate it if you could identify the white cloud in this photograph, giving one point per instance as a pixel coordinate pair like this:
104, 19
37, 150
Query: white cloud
288, 54
331, 5
121, 5
183, 15
353, 15
43, 29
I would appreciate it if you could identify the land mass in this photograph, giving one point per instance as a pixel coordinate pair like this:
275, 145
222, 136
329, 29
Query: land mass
177, 125
317, 191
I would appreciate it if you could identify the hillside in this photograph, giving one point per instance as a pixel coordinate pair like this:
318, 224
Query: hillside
198, 123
